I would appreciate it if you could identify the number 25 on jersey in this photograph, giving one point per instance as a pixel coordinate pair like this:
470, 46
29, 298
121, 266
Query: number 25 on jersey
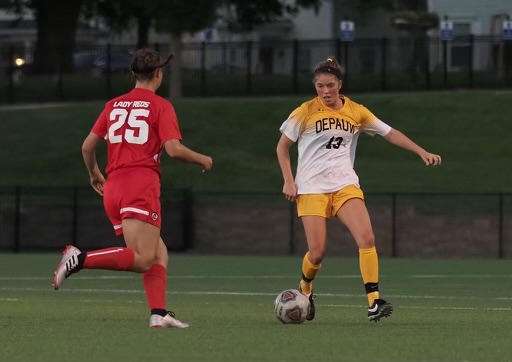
137, 131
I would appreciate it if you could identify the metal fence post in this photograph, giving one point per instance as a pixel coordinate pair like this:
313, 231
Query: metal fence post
10, 74
500, 225
60, 71
203, 68
445, 63
295, 67
74, 227
17, 219
249, 66
291, 241
188, 219
345, 63
384, 45
471, 59
393, 225
427, 63
108, 71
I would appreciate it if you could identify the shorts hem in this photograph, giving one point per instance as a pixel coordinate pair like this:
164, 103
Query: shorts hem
307, 214
344, 202
141, 217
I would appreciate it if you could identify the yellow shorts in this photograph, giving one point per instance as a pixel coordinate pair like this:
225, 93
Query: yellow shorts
326, 205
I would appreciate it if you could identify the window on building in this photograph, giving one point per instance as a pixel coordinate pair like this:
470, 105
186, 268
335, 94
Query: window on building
461, 47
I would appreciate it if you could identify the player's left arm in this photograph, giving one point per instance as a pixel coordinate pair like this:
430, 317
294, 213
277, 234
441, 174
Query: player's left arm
397, 138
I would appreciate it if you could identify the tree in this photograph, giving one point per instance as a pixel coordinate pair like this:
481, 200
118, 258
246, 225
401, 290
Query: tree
416, 24
246, 15
174, 17
57, 22
177, 17
121, 15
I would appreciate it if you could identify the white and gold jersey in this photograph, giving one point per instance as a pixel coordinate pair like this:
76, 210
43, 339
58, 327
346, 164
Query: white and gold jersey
327, 141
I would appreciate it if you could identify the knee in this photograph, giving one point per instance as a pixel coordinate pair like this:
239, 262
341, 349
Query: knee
316, 256
367, 240
143, 261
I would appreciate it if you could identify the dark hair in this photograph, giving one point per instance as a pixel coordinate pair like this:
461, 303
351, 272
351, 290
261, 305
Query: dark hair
329, 66
145, 62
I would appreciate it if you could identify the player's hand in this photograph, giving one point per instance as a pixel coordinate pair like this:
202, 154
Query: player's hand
97, 182
207, 163
431, 159
290, 191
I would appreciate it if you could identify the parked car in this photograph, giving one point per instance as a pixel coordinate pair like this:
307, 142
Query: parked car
97, 63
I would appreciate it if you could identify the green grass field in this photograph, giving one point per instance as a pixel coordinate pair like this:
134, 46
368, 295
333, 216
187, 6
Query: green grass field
41, 145
457, 310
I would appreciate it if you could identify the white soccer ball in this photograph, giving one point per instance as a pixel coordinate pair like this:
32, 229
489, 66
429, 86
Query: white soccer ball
291, 307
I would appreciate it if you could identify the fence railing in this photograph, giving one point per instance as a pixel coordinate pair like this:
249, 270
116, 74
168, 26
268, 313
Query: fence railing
405, 224
262, 68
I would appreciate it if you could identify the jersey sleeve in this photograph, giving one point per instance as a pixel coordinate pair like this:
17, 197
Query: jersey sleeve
100, 126
293, 126
371, 125
168, 127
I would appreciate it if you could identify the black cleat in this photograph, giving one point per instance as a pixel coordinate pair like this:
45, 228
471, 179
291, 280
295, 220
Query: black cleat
311, 314
380, 308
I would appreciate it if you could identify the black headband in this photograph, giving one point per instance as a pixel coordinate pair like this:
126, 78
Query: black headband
151, 69
330, 70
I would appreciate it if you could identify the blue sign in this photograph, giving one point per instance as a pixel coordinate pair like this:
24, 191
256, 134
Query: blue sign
446, 30
347, 30
207, 34
506, 34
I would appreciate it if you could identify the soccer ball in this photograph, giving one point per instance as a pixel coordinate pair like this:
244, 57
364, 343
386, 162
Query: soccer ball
291, 307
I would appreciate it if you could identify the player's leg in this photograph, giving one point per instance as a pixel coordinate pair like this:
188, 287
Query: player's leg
313, 211
151, 258
315, 230
354, 215
141, 239
155, 287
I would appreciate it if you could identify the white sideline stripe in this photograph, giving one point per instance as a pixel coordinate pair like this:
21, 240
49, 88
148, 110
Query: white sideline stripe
134, 209
492, 309
104, 252
140, 291
273, 276
416, 307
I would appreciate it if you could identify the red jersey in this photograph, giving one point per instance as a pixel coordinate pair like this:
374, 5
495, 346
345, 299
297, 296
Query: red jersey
136, 125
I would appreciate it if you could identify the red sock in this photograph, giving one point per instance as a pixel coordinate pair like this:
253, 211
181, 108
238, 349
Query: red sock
110, 259
155, 284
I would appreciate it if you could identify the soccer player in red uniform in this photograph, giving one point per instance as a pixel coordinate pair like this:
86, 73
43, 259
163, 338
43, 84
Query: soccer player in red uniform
137, 127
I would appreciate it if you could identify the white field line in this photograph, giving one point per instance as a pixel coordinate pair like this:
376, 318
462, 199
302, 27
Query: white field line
496, 309
418, 307
140, 291
30, 106
355, 276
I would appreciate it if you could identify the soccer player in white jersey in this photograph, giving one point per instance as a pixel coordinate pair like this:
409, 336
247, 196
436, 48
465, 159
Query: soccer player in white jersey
327, 128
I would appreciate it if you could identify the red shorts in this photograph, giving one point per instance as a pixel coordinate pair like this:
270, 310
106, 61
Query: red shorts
133, 193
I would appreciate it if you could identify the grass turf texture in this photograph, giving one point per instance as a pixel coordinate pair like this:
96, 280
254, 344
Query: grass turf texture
41, 146
453, 310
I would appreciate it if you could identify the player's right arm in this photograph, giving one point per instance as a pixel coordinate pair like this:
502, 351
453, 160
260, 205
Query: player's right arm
89, 155
177, 150
283, 157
